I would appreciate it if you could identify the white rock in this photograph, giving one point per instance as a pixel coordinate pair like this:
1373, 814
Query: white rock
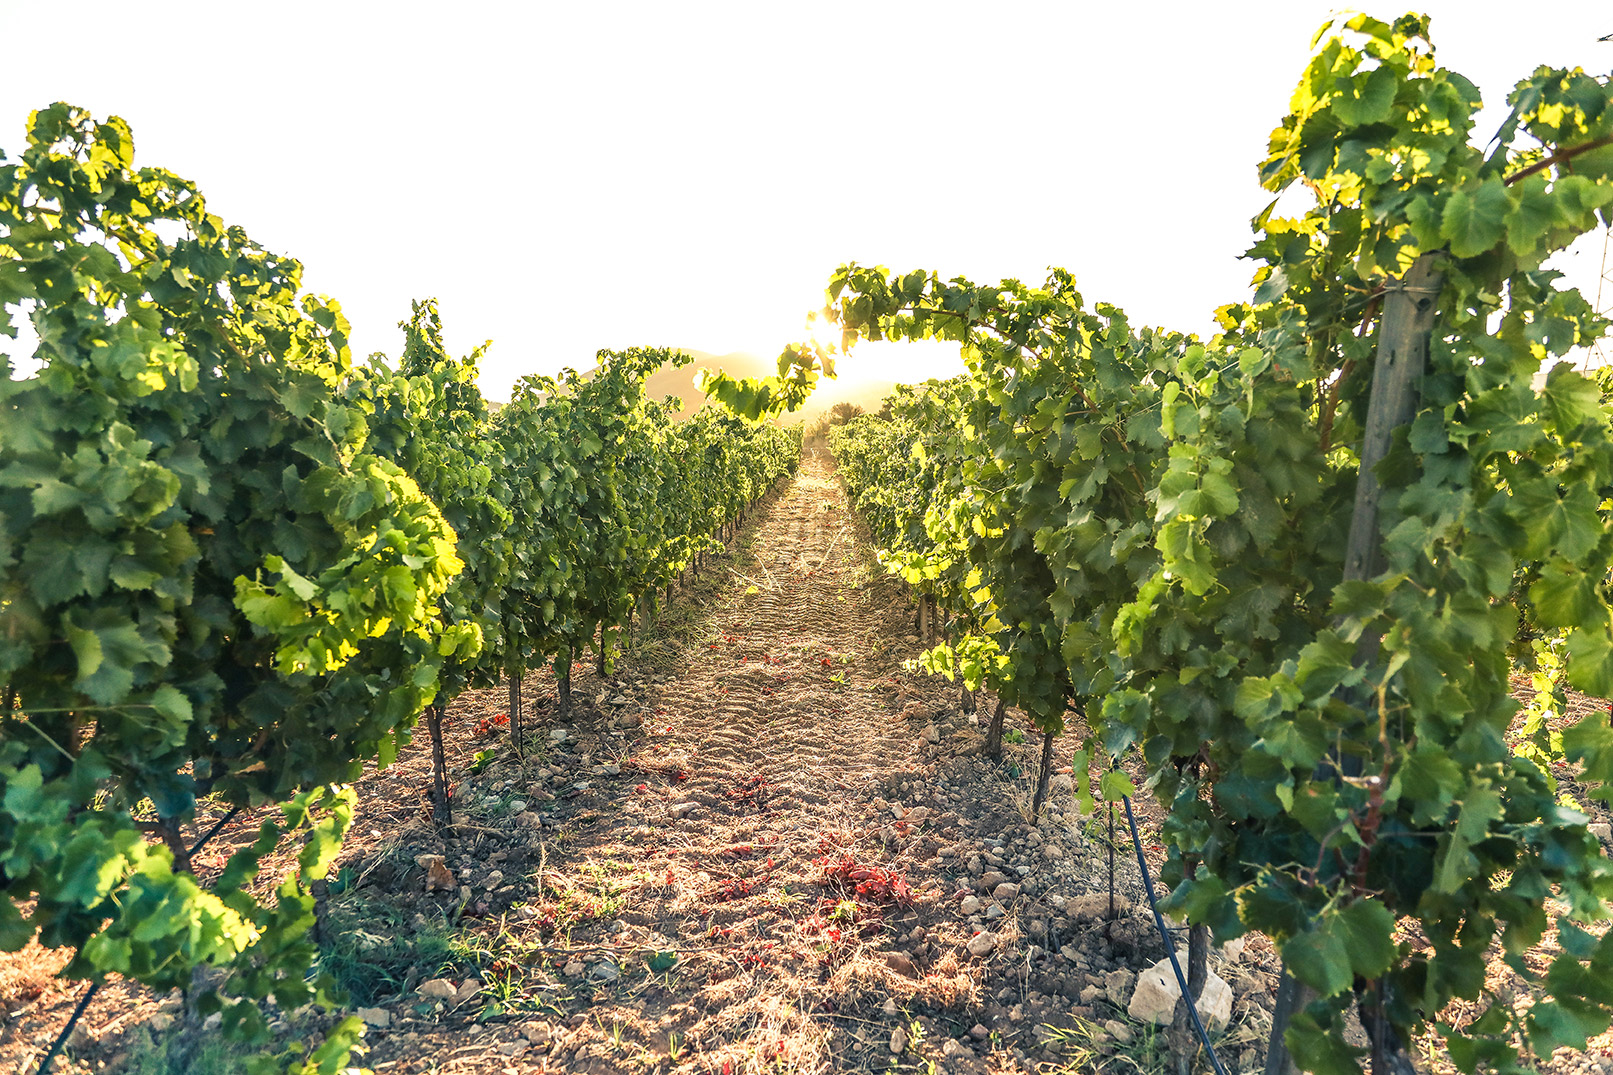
970, 905
952, 1049
437, 989
1119, 1031
376, 1017
898, 1040
982, 943
681, 810
1005, 891
1157, 991
890, 1007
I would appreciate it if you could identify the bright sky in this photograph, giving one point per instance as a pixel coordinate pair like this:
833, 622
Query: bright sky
570, 177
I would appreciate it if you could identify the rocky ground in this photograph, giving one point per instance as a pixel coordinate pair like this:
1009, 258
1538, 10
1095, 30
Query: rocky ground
761, 843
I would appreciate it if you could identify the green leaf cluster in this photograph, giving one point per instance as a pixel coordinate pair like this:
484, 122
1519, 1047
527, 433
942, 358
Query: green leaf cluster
234, 565
1148, 531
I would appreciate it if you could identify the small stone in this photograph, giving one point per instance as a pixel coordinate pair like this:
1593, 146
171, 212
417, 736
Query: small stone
160, 1021
1117, 985
898, 1041
605, 971
979, 1033
930, 734
439, 878
1005, 892
426, 862
952, 1049
890, 1007
901, 964
1601, 830
682, 810
437, 989
494, 879
989, 881
467, 989
1118, 1031
376, 1017
982, 943
994, 912
970, 905
574, 969
517, 805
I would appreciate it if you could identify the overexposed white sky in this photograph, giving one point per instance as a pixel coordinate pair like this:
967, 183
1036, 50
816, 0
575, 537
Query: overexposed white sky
566, 177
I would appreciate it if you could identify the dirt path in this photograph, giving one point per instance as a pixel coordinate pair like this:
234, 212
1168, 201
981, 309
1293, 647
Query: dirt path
761, 844
774, 848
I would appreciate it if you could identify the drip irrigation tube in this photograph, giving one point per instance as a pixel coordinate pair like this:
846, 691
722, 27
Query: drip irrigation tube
1170, 947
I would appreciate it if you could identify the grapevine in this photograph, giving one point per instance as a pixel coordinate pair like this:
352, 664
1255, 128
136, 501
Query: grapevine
1325, 721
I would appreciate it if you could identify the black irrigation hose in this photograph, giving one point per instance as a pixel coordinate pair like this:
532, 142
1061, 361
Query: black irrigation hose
1170, 947
72, 1021
212, 832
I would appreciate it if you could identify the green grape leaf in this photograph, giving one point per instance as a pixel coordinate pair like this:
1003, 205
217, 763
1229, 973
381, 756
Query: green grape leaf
1474, 219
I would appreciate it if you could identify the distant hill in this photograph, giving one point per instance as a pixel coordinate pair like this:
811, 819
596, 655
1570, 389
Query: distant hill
680, 381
